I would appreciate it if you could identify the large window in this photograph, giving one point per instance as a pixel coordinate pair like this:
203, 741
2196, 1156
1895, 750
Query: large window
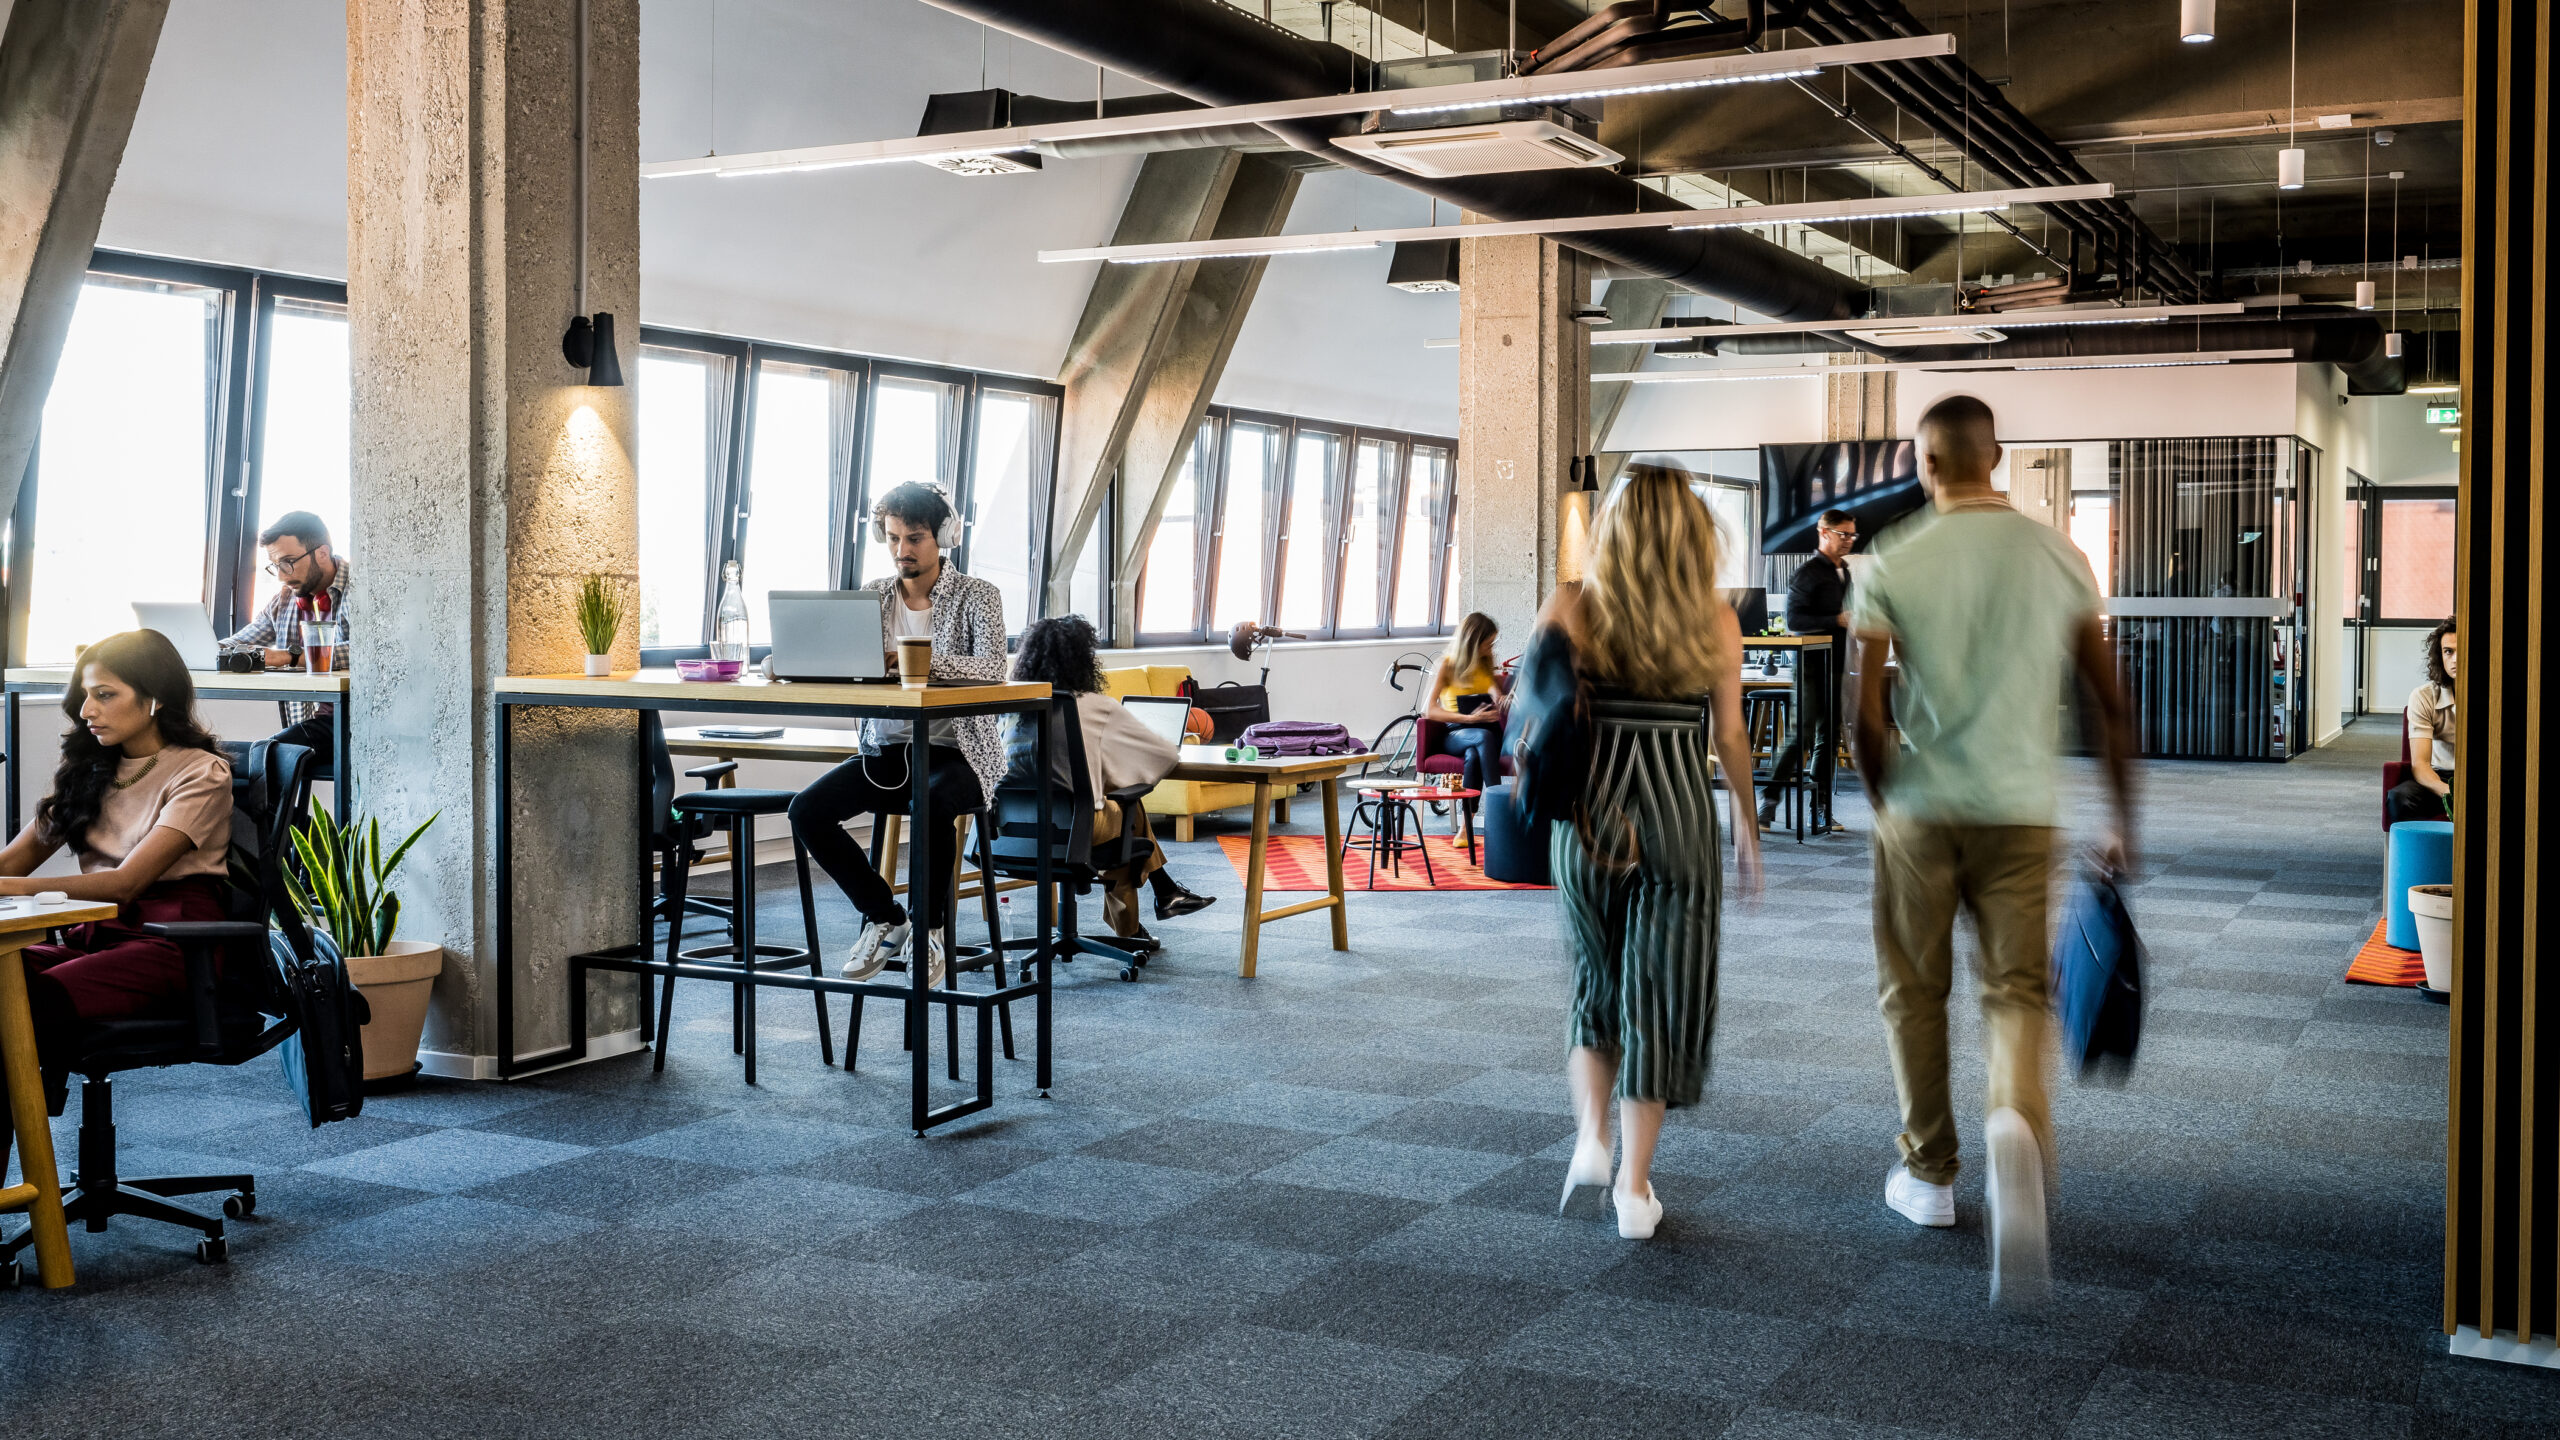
684, 396
1307, 531
1253, 454
2414, 582
303, 461
792, 465
1169, 586
1009, 466
1425, 536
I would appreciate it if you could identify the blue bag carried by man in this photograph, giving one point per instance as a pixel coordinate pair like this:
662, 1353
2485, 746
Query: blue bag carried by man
2097, 980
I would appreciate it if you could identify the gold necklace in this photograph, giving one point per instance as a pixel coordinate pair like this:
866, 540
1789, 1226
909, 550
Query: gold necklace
138, 777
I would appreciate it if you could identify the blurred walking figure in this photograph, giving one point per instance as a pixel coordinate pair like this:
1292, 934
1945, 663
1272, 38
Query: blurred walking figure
1640, 870
1989, 614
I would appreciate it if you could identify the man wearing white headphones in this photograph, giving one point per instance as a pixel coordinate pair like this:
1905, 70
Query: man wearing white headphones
927, 596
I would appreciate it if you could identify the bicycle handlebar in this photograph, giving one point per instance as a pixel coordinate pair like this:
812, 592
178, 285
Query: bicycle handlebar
1395, 674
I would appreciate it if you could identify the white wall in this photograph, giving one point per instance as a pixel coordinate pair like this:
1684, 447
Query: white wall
1718, 415
2405, 449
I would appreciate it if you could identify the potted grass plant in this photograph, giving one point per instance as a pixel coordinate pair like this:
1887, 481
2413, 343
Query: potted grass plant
340, 879
599, 620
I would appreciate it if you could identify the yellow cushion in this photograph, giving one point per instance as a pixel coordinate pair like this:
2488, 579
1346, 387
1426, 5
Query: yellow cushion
1166, 679
1196, 797
1120, 684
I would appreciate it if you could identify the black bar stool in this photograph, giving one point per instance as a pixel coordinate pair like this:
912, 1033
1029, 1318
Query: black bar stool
888, 831
735, 811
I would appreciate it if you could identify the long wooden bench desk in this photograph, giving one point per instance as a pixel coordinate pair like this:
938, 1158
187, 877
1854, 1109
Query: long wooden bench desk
39, 1193
327, 689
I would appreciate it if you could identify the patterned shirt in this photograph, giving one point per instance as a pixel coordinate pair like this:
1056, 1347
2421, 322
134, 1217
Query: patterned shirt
968, 644
278, 626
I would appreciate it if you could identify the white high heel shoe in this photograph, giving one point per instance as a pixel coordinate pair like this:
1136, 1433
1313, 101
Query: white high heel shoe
1590, 1168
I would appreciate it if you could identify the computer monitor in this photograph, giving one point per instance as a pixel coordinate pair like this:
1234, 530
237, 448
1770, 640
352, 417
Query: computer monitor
1164, 714
188, 627
827, 635
1751, 607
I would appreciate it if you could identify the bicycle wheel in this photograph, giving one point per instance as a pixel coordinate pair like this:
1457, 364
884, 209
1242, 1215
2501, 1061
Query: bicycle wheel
1395, 747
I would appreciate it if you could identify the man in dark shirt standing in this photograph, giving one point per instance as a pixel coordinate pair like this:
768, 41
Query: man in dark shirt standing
1818, 604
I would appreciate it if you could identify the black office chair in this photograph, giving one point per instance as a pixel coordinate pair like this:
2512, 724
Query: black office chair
229, 1017
1076, 862
688, 818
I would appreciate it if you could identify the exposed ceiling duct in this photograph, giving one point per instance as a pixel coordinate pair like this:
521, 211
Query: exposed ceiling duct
1216, 54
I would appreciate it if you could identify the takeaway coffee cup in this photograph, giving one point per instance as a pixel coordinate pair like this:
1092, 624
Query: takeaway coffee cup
915, 661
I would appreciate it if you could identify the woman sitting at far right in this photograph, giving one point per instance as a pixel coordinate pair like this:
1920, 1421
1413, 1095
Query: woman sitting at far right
2427, 791
143, 797
1464, 698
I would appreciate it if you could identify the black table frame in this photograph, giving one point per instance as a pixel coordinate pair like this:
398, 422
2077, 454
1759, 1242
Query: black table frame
639, 958
208, 687
1803, 782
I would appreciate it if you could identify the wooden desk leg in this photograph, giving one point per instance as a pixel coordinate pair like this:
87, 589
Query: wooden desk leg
1333, 862
1253, 876
27, 1117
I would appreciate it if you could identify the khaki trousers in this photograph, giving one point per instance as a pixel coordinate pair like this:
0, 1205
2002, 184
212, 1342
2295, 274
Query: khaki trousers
1120, 886
2000, 873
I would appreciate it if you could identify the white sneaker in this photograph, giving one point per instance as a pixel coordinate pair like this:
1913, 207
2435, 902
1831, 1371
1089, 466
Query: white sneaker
1637, 1216
1918, 1201
933, 961
2021, 1273
874, 949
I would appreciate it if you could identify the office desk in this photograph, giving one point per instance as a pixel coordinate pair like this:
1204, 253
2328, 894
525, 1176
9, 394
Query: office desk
1208, 762
22, 923
1811, 650
330, 689
661, 690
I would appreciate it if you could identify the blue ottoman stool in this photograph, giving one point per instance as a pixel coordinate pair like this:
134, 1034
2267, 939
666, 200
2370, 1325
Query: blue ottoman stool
1515, 851
2421, 854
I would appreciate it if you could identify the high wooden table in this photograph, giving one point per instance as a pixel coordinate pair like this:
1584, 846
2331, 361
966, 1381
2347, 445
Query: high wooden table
637, 690
22, 923
328, 689
1209, 762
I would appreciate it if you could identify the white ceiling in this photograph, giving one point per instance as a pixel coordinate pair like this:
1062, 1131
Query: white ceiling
238, 157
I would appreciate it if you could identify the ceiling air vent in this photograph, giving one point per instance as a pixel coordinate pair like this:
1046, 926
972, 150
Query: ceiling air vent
1424, 267
1022, 163
1954, 332
1496, 149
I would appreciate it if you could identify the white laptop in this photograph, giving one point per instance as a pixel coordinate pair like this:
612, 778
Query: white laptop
1163, 714
827, 635
188, 627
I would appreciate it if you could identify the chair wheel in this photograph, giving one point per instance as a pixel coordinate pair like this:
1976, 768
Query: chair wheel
12, 1275
1128, 972
215, 1251
242, 1205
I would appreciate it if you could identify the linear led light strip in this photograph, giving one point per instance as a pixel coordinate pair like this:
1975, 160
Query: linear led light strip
2172, 360
1730, 217
1518, 89
1918, 324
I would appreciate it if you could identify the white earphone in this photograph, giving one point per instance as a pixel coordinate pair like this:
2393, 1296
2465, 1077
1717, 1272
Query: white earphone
154, 710
946, 535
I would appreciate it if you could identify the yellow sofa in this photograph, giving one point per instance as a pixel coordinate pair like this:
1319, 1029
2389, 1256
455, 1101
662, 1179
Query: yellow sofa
1181, 799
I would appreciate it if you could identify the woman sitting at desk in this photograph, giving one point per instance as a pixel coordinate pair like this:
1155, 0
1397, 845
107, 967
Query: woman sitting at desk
143, 797
1464, 699
1121, 751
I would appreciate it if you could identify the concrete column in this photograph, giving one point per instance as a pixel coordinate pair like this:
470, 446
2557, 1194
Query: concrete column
1859, 406
1524, 410
71, 74
489, 479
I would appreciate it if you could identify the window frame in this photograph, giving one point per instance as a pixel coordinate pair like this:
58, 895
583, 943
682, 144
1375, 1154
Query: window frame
2366, 598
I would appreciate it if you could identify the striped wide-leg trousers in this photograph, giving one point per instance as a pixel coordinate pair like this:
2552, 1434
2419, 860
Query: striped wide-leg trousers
1641, 895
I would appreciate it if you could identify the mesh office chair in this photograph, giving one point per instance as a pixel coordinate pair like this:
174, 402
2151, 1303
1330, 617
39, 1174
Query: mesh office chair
229, 1016
1076, 860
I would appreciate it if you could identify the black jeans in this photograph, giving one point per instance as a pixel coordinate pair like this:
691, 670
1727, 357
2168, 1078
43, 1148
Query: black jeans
1479, 750
879, 785
319, 735
1821, 730
2410, 800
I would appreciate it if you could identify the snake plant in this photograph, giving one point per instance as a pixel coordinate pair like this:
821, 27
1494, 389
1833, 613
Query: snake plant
340, 879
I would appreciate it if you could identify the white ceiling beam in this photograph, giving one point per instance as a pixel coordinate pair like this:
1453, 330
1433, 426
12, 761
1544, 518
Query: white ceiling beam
2013, 320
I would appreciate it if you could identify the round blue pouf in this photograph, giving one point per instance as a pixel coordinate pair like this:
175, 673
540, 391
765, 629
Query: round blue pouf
1515, 851
2421, 854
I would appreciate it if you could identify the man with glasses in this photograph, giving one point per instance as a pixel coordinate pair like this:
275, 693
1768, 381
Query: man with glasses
1818, 604
314, 587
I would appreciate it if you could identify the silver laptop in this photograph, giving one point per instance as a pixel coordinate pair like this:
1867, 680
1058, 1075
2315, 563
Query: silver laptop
827, 635
188, 627
1163, 714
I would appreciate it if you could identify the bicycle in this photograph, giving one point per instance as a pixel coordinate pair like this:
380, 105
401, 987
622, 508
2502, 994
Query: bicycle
1398, 742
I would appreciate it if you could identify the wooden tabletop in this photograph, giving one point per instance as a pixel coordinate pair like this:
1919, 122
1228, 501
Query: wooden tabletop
1209, 762
282, 684
663, 685
1786, 642
794, 743
21, 918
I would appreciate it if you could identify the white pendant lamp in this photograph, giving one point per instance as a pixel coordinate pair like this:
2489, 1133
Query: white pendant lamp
2195, 21
2289, 169
2364, 294
2289, 159
2395, 344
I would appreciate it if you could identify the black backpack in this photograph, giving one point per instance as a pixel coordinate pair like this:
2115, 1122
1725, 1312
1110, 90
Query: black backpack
324, 1056
1548, 736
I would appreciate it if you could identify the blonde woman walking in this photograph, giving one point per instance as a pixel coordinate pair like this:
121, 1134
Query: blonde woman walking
1640, 870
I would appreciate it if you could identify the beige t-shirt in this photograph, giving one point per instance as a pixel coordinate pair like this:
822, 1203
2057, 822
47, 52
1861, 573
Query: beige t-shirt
2431, 712
189, 791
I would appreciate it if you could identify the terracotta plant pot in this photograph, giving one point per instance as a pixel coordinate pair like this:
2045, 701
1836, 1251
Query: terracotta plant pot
396, 986
2432, 907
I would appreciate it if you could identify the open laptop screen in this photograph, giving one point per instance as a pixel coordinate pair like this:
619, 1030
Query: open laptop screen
1163, 714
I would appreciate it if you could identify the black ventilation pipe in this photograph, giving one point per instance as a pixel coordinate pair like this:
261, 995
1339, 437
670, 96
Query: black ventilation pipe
1219, 55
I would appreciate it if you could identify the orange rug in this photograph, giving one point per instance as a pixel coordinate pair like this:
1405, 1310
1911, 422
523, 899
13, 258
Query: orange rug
1296, 862
2380, 964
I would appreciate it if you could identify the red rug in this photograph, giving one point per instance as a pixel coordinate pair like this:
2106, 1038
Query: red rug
2380, 964
1296, 862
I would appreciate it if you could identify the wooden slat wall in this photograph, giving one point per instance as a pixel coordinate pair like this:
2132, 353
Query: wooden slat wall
2502, 1185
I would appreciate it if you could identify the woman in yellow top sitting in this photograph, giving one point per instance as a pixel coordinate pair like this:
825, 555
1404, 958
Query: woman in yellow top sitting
1464, 698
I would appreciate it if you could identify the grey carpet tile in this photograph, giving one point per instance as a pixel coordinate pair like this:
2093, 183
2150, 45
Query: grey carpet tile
1323, 1203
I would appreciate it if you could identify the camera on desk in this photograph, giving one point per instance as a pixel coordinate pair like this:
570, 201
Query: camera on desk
241, 662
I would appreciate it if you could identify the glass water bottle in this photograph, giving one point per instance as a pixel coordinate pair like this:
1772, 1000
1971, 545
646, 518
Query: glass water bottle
729, 633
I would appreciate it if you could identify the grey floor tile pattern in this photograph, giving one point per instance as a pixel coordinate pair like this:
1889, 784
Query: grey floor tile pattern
1322, 1204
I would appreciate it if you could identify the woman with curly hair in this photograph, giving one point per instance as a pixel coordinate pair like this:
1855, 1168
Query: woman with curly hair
2427, 792
143, 797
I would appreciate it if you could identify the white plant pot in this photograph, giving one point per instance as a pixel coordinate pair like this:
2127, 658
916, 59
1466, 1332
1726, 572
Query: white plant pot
599, 664
2431, 906
396, 986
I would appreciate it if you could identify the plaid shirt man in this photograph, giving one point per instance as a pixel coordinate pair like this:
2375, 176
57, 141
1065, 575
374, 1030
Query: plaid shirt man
278, 626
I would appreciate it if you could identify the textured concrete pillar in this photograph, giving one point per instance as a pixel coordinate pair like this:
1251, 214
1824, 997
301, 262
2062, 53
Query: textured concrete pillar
1859, 406
1524, 410
489, 478
71, 74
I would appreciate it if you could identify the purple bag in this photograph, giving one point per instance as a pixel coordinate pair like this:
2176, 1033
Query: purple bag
1300, 737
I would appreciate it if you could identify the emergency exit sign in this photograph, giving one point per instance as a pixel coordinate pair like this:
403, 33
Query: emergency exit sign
2444, 414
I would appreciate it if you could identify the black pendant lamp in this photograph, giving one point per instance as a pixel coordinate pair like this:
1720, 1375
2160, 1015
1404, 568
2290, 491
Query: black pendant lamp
589, 346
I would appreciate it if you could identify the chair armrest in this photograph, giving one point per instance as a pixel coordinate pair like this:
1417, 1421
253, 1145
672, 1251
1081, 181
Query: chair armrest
1130, 794
201, 941
712, 771
183, 931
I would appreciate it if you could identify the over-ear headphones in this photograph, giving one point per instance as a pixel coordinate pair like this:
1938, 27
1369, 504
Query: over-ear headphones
946, 535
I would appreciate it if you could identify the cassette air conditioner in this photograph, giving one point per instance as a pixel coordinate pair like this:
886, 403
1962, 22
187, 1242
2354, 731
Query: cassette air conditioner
1499, 148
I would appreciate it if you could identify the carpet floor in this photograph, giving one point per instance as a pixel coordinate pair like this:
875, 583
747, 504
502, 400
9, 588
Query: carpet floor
1322, 1204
